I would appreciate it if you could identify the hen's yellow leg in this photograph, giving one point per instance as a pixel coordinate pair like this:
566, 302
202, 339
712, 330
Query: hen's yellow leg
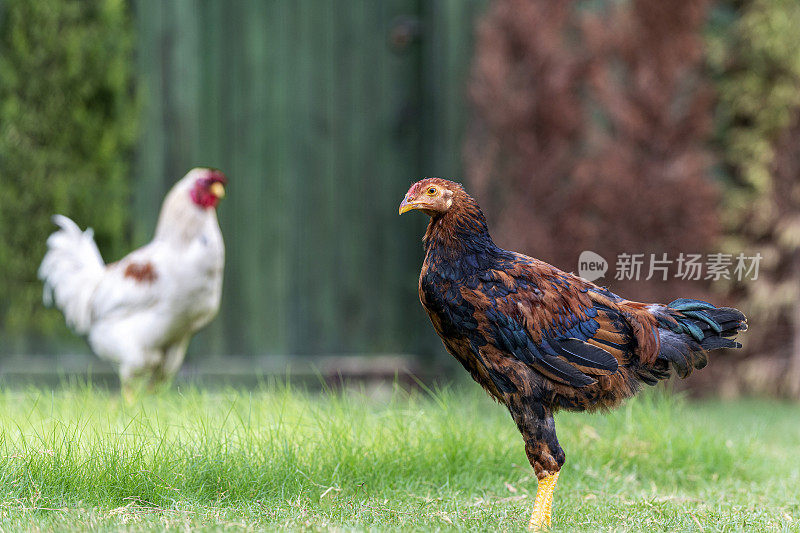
129, 394
543, 505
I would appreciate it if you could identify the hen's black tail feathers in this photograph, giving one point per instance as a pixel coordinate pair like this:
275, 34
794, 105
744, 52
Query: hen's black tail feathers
688, 329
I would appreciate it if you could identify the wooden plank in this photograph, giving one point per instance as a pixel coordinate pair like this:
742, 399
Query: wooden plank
303, 153
264, 270
149, 165
210, 59
232, 137
448, 44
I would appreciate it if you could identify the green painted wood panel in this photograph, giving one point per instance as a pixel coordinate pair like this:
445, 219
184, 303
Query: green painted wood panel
321, 124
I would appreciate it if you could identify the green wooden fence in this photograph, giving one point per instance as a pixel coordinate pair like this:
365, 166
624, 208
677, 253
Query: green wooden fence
321, 112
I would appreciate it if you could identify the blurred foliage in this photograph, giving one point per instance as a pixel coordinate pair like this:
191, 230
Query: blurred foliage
756, 65
591, 132
67, 129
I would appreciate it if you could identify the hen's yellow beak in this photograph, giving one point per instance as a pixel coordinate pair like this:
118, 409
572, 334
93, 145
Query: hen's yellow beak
217, 189
407, 205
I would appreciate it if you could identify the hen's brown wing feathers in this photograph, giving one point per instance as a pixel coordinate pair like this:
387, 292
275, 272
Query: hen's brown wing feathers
564, 327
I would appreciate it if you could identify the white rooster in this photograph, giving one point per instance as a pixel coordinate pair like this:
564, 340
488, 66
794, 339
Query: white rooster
141, 311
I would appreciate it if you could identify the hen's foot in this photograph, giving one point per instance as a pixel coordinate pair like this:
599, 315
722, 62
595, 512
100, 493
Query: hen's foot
543, 505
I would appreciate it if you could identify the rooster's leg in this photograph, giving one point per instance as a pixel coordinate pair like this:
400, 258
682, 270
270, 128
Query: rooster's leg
535, 422
130, 382
543, 505
129, 393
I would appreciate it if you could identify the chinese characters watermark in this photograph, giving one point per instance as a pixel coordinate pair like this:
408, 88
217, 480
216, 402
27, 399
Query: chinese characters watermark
635, 267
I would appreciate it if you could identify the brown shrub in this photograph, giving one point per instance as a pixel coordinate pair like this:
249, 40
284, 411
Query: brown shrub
591, 131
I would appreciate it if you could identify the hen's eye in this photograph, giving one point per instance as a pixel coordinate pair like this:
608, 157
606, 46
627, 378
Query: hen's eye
431, 191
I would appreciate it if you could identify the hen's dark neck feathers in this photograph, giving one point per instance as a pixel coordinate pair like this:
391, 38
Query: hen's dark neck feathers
461, 230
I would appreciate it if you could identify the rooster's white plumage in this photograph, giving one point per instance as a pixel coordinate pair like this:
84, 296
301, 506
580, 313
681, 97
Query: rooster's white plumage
141, 311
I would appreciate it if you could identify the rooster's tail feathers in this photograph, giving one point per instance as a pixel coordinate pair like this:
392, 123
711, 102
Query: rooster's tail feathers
71, 270
688, 329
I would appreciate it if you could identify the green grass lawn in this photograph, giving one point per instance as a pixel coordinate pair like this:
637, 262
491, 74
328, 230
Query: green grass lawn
81, 459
